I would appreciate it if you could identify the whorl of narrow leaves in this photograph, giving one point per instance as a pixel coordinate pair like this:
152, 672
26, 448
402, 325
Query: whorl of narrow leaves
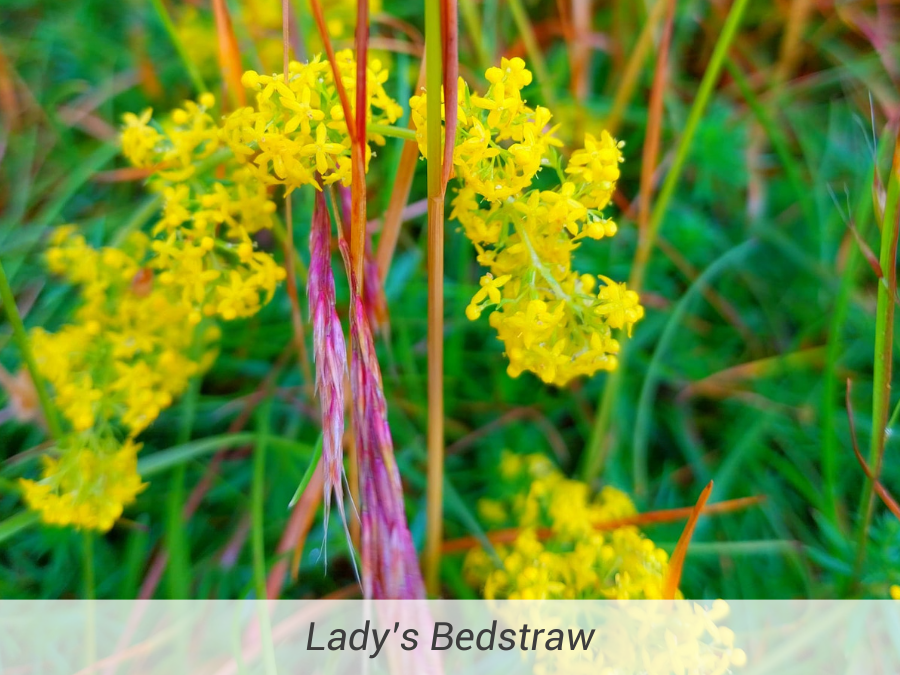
330, 354
390, 566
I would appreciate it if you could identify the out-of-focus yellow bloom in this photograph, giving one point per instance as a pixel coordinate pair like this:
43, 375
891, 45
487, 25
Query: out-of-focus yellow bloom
560, 555
146, 320
575, 560
127, 353
87, 485
549, 316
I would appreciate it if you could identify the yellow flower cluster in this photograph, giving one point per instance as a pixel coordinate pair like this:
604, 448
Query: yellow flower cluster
123, 359
559, 555
145, 325
88, 484
652, 638
575, 561
203, 247
297, 128
554, 321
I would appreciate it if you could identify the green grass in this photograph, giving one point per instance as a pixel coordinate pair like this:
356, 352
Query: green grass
763, 160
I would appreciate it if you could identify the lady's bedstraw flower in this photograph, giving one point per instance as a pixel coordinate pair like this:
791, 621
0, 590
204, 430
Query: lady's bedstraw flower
212, 204
145, 324
576, 561
87, 485
560, 554
127, 353
297, 128
553, 320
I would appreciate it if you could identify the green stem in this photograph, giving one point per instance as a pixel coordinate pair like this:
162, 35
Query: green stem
435, 397
884, 339
595, 457
257, 498
179, 567
392, 131
189, 64
831, 445
87, 564
21, 338
710, 77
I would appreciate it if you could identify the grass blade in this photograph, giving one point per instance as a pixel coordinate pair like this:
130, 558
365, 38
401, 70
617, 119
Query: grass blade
676, 562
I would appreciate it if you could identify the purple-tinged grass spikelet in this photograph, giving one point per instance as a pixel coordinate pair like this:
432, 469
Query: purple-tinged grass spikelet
330, 354
390, 564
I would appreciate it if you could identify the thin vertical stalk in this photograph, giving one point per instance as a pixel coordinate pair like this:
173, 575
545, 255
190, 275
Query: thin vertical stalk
257, 500
358, 219
595, 456
393, 215
650, 156
172, 32
710, 77
178, 575
87, 565
433, 79
884, 344
298, 332
257, 537
630, 75
649, 162
229, 54
21, 338
450, 77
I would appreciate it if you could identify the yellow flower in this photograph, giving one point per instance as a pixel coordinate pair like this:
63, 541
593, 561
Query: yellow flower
576, 561
488, 294
139, 140
527, 236
619, 305
322, 149
88, 486
276, 134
